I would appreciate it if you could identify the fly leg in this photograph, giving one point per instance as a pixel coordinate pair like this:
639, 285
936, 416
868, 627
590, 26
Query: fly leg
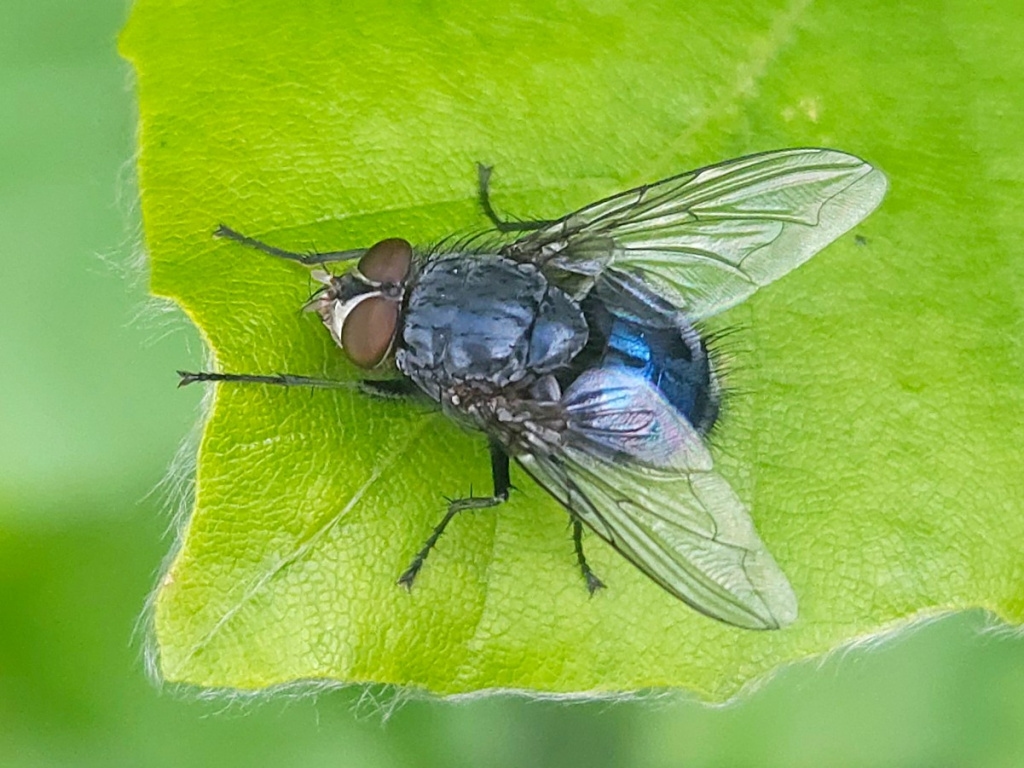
382, 389
502, 225
390, 389
499, 475
308, 259
593, 583
276, 379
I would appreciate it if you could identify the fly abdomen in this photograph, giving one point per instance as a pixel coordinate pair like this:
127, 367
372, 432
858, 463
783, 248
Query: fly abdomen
676, 361
661, 345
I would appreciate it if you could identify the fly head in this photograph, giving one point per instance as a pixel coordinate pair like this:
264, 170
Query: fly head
362, 307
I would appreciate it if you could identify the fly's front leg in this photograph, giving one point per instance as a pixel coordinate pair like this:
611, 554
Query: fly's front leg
308, 259
390, 389
593, 583
382, 389
483, 173
502, 485
275, 379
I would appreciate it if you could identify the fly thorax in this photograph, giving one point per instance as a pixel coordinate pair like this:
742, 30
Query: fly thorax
487, 322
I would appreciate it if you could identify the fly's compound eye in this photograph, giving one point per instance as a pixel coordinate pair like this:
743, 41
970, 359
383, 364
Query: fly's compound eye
369, 330
387, 262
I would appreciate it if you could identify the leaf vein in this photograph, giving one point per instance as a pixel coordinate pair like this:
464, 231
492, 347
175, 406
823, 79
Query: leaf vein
257, 585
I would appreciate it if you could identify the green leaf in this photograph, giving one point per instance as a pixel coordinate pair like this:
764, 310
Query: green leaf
878, 437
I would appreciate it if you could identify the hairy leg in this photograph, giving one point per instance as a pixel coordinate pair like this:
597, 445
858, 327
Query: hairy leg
500, 478
383, 389
593, 583
308, 259
502, 225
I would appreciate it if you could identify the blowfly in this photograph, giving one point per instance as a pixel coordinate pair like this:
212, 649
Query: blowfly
575, 350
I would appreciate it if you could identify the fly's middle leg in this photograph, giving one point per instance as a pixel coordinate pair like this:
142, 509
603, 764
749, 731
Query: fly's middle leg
483, 173
593, 583
502, 485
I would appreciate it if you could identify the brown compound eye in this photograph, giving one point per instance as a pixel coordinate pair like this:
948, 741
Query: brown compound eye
387, 261
368, 330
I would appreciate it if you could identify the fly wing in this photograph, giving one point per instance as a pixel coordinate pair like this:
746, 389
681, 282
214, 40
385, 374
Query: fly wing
708, 239
639, 475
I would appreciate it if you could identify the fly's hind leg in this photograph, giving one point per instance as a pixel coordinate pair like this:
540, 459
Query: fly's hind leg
483, 173
502, 485
593, 583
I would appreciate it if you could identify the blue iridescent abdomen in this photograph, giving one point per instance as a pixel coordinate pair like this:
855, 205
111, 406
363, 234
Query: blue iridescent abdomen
654, 339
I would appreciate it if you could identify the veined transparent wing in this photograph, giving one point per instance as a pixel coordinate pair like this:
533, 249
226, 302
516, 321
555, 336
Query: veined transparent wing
708, 239
638, 474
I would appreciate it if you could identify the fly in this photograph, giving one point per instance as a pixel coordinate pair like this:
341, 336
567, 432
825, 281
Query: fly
575, 350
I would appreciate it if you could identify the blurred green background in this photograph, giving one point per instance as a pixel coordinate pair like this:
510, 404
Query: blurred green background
90, 418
